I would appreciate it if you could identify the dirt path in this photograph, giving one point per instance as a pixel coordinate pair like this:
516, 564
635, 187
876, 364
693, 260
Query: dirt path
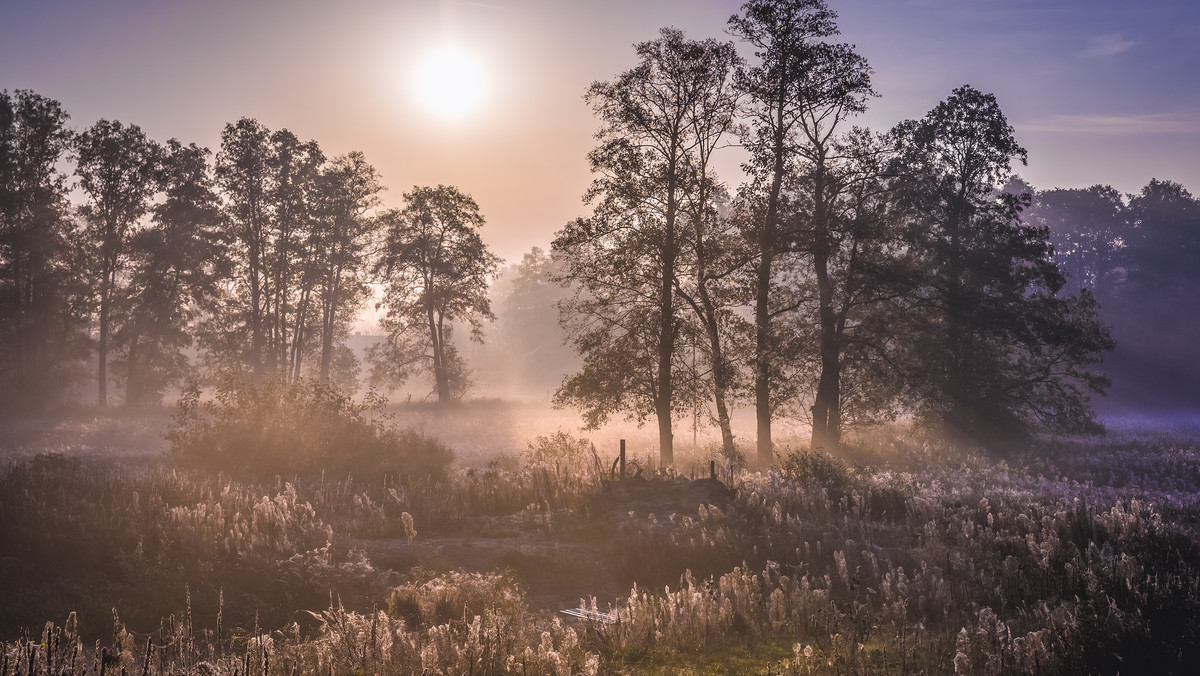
558, 565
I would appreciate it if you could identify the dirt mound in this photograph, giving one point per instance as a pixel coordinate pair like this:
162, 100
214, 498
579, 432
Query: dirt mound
662, 497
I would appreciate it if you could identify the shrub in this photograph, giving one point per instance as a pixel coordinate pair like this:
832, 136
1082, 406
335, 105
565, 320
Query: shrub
816, 468
303, 427
559, 449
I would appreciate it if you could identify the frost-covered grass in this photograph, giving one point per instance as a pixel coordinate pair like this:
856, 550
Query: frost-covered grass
1083, 558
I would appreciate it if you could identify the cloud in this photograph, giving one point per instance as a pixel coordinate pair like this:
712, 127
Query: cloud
1101, 46
1150, 123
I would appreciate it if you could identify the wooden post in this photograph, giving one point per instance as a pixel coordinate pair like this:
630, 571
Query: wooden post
622, 458
712, 470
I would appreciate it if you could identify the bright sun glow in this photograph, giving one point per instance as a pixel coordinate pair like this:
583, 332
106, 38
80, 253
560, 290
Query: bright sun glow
449, 82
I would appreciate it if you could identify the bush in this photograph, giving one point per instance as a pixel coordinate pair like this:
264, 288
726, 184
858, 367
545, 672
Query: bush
816, 468
559, 449
274, 427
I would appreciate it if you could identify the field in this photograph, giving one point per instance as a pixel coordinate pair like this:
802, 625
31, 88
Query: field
897, 556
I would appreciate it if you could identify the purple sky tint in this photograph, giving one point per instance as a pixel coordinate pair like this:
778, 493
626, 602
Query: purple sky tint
1099, 91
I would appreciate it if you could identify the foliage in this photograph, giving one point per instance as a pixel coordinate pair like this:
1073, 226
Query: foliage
436, 271
628, 258
996, 350
272, 426
815, 468
1084, 560
559, 449
43, 294
118, 168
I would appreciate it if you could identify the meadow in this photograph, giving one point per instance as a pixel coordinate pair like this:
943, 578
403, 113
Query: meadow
896, 555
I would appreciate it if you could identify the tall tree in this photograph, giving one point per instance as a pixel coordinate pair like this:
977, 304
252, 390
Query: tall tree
999, 351
797, 81
177, 264
118, 169
436, 270
41, 301
243, 176
712, 243
627, 258
348, 188
856, 267
294, 169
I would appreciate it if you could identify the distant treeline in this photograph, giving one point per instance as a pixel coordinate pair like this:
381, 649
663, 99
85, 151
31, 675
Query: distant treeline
259, 260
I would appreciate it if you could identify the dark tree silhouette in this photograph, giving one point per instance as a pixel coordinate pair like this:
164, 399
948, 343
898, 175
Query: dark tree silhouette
627, 259
716, 256
798, 81
347, 189
238, 336
177, 265
43, 300
118, 169
436, 270
998, 350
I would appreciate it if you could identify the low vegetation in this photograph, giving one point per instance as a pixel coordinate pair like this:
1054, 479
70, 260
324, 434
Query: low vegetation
1084, 558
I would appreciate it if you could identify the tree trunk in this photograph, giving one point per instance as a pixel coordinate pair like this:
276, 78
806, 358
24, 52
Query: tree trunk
441, 378
102, 346
133, 385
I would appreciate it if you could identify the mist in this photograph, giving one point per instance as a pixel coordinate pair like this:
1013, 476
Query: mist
799, 383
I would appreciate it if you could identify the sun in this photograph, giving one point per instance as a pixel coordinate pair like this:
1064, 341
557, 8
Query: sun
449, 82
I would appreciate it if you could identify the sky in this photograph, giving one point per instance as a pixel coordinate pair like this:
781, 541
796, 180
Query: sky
1099, 91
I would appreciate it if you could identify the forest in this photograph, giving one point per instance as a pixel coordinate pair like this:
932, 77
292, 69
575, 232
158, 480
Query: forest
201, 471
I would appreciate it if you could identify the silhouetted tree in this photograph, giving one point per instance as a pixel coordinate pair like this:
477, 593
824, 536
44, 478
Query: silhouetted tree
118, 168
1088, 229
177, 265
294, 169
348, 188
238, 333
714, 250
855, 269
799, 87
43, 300
626, 260
998, 351
435, 269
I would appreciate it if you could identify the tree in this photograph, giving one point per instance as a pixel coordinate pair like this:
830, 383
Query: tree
716, 258
1088, 229
43, 300
177, 264
237, 334
997, 351
118, 169
348, 188
436, 270
534, 358
797, 92
855, 269
627, 258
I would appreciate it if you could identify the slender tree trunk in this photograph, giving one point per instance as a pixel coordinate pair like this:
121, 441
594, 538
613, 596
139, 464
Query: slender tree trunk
440, 376
666, 331
763, 352
102, 346
256, 310
133, 385
825, 432
329, 315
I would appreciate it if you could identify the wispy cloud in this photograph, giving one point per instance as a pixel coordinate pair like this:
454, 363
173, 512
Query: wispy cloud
1150, 123
1107, 45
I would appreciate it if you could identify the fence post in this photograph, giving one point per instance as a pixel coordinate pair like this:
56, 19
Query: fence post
622, 458
712, 470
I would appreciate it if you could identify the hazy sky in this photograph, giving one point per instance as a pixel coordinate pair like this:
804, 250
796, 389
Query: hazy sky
1100, 91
